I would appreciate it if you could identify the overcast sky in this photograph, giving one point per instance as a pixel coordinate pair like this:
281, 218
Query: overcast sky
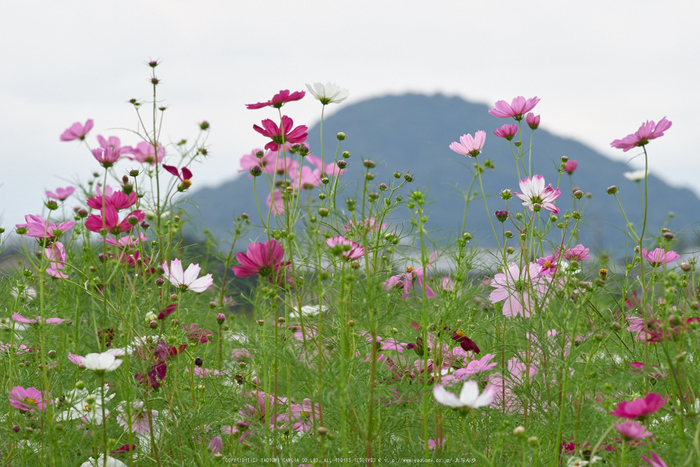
600, 68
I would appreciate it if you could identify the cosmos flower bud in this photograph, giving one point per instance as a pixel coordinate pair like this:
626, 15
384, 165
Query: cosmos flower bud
408, 177
346, 155
342, 164
204, 126
506, 195
340, 136
256, 171
220, 318
612, 190
686, 267
501, 215
51, 205
198, 361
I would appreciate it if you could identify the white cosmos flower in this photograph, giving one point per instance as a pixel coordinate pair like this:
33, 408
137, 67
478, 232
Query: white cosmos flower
101, 362
308, 310
86, 406
469, 397
100, 462
328, 93
635, 175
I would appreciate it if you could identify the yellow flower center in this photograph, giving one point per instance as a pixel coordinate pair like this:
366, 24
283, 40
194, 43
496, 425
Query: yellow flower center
30, 401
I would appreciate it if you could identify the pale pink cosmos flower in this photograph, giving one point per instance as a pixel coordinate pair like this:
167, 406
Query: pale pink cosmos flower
577, 253
534, 192
17, 318
469, 397
283, 134
570, 167
144, 152
77, 131
61, 193
328, 169
106, 157
305, 179
186, 280
56, 254
37, 227
275, 202
405, 280
304, 414
659, 256
507, 131
518, 289
468, 145
139, 418
250, 160
350, 250
29, 399
370, 225
632, 430
516, 109
474, 367
260, 258
278, 100
532, 120
111, 141
656, 461
124, 242
648, 131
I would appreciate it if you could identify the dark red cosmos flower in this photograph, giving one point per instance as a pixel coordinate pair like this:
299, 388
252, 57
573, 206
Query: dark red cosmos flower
278, 100
167, 311
124, 448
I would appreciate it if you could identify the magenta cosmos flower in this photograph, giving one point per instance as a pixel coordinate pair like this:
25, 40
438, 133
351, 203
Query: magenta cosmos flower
77, 131
61, 193
106, 157
659, 256
468, 145
632, 430
507, 131
639, 408
350, 250
278, 100
28, 400
579, 252
516, 109
260, 258
655, 461
283, 134
405, 280
535, 193
518, 289
186, 280
641, 137
276, 203
37, 227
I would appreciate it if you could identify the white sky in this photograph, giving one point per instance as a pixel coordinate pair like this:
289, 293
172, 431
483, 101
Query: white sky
601, 68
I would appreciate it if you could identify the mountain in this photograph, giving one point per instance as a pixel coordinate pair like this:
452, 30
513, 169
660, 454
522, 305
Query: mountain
412, 133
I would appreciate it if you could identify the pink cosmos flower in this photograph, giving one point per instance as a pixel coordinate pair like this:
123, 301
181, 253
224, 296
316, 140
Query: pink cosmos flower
261, 258
370, 225
534, 192
305, 179
656, 461
126, 241
570, 167
56, 254
106, 157
304, 414
548, 264
250, 160
216, 445
61, 193
474, 367
144, 152
109, 221
37, 227
17, 318
468, 145
632, 430
278, 100
659, 256
405, 280
29, 399
639, 408
518, 289
117, 199
641, 137
328, 169
517, 108
283, 134
577, 253
507, 131
111, 141
77, 131
432, 444
275, 202
532, 120
139, 418
350, 250
186, 280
